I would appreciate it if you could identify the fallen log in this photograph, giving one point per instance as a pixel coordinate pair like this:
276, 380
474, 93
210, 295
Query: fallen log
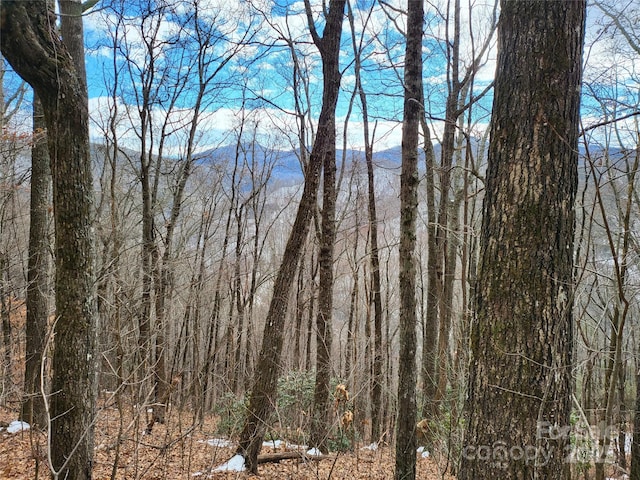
279, 456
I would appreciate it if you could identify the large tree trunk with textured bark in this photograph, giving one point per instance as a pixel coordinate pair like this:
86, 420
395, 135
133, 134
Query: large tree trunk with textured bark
33, 49
409, 181
520, 385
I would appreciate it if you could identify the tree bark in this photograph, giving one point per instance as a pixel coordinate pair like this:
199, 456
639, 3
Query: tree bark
263, 393
409, 181
374, 255
324, 335
430, 322
5, 311
442, 277
37, 302
635, 444
35, 52
520, 384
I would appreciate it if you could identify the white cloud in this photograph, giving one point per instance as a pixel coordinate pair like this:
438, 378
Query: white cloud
215, 127
270, 77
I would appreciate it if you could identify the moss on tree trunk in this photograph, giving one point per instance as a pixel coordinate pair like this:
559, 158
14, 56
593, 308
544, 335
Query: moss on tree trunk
520, 381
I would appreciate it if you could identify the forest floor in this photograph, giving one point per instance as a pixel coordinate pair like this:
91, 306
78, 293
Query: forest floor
178, 450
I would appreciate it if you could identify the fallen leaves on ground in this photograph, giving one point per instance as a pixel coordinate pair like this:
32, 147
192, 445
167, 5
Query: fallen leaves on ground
179, 450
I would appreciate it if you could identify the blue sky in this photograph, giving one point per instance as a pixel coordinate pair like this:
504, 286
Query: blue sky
256, 84
260, 74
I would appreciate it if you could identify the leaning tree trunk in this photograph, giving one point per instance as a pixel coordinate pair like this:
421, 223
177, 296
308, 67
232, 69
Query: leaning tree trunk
324, 335
409, 181
35, 52
519, 396
263, 392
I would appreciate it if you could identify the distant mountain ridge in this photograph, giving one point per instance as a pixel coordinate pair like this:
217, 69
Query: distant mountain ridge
288, 167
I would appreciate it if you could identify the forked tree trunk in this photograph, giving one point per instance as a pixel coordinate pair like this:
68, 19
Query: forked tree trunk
519, 396
442, 278
263, 393
324, 337
33, 48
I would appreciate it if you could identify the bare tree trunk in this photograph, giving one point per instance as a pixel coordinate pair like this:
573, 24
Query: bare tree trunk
622, 418
258, 207
299, 316
635, 444
213, 328
5, 316
374, 255
164, 274
38, 291
324, 336
262, 398
409, 181
352, 324
311, 315
61, 88
520, 381
148, 254
237, 298
430, 323
619, 249
148, 82
444, 268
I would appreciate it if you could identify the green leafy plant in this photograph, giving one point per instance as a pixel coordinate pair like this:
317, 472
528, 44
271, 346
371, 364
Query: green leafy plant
230, 411
295, 400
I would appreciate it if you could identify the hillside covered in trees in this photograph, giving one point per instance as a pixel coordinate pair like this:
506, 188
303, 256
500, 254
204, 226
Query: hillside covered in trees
329, 239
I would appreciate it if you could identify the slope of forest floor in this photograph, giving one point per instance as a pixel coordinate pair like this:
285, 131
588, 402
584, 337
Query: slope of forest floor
178, 450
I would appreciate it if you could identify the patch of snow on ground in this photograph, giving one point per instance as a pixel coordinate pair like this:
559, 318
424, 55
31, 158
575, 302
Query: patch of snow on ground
17, 426
373, 447
293, 446
218, 442
314, 452
278, 444
273, 444
235, 464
